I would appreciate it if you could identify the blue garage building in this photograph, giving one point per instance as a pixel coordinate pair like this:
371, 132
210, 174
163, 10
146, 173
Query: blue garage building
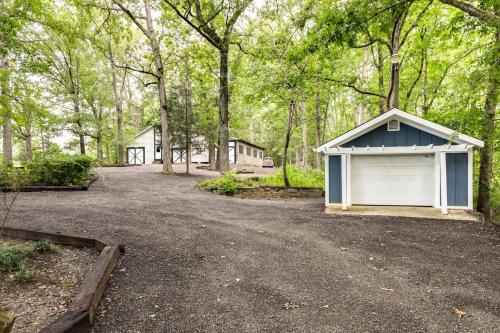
399, 159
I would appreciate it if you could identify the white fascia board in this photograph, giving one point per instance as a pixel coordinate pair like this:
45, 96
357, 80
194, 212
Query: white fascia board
439, 130
358, 131
430, 149
139, 134
412, 120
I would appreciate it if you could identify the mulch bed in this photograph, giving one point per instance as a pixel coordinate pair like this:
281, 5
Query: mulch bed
58, 278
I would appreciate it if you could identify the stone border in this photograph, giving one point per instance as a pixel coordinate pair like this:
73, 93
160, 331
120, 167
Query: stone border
54, 188
276, 192
81, 311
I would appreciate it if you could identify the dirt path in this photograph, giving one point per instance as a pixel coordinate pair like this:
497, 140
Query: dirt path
198, 262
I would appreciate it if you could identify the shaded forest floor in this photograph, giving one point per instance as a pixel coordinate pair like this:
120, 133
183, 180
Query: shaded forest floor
201, 262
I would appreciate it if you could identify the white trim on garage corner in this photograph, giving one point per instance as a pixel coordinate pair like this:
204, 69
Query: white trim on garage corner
470, 180
444, 189
327, 181
343, 175
412, 120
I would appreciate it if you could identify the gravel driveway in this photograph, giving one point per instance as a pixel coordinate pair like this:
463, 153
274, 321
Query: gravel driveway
199, 262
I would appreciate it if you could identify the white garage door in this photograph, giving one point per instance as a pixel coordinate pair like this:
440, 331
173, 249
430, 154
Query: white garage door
392, 180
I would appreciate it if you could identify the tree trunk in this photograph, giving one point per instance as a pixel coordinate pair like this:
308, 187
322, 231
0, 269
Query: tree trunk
118, 106
393, 97
6, 121
287, 142
380, 69
318, 130
99, 141
224, 113
28, 150
252, 130
304, 134
76, 106
211, 155
188, 112
155, 49
7, 138
488, 135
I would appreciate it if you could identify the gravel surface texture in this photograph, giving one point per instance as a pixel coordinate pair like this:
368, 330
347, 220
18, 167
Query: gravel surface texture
200, 262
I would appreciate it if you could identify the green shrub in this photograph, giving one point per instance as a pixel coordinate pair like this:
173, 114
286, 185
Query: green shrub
226, 184
11, 259
12, 177
44, 246
297, 177
24, 276
60, 169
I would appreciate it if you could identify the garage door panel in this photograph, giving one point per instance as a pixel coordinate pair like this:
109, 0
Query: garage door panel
392, 180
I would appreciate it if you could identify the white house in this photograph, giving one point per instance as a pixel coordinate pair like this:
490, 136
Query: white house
145, 148
398, 159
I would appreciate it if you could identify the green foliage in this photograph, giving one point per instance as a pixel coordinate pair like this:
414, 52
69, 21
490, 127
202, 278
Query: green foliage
229, 182
44, 246
60, 169
11, 177
24, 276
11, 259
298, 178
226, 184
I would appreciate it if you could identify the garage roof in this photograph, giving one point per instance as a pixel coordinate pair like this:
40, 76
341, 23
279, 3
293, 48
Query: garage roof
417, 122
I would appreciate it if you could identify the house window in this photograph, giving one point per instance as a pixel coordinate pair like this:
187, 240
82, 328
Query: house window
393, 126
254, 153
240, 149
260, 154
249, 151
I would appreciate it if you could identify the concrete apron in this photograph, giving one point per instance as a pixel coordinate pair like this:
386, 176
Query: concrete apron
403, 211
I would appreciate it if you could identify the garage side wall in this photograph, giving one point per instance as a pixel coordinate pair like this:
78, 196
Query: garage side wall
334, 179
456, 179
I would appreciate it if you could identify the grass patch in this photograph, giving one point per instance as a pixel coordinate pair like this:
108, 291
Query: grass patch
226, 184
297, 177
44, 246
12, 258
229, 182
24, 276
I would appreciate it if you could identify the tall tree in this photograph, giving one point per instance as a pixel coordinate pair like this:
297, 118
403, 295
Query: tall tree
206, 20
159, 74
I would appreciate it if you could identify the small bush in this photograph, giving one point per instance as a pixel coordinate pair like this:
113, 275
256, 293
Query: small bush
24, 276
226, 184
14, 178
297, 177
11, 259
44, 246
60, 169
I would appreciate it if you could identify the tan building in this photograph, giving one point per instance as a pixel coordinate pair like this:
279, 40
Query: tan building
244, 153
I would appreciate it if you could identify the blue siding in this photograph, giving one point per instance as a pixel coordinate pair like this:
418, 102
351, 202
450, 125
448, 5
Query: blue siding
334, 179
457, 179
406, 136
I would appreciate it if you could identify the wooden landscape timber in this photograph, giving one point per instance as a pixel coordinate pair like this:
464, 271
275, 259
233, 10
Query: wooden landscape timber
78, 318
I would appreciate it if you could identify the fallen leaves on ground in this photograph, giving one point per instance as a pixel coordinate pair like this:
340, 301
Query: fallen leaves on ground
290, 306
460, 313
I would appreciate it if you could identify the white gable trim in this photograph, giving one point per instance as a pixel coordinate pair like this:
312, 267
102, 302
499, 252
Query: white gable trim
140, 133
417, 122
